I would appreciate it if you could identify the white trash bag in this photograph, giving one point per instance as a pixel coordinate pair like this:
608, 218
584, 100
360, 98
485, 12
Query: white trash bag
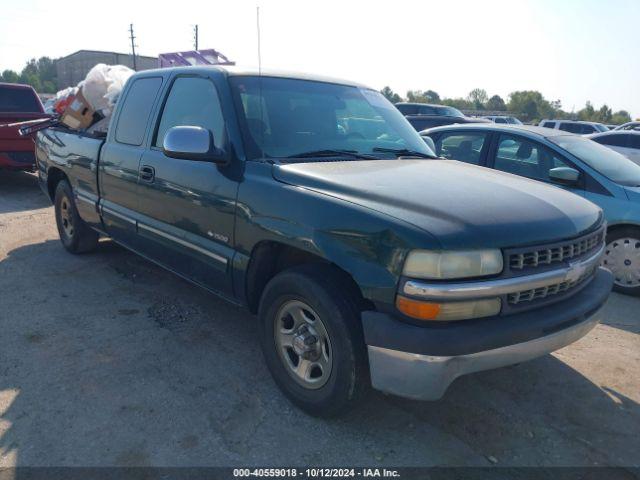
102, 86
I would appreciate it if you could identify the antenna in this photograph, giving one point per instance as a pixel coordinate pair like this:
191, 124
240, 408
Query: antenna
195, 36
259, 53
133, 45
260, 81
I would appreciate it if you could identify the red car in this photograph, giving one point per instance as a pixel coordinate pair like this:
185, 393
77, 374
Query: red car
17, 104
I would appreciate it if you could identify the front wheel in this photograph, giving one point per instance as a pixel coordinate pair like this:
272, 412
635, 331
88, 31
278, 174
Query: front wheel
622, 258
312, 339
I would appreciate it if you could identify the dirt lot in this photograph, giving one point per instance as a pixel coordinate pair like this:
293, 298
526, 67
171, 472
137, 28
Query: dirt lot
106, 359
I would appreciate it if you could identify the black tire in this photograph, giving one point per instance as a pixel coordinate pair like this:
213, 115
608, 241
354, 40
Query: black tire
75, 235
628, 239
327, 293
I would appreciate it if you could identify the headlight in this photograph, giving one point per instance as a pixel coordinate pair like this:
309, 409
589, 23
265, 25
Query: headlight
429, 264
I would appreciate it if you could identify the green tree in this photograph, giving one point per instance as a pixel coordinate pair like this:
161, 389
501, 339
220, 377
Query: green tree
530, 104
431, 96
496, 103
478, 98
392, 96
9, 76
40, 74
587, 113
459, 103
620, 117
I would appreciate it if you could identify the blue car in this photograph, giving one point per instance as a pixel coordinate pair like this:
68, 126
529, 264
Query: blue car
568, 161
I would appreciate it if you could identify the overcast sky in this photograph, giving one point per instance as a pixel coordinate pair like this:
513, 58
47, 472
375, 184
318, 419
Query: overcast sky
572, 50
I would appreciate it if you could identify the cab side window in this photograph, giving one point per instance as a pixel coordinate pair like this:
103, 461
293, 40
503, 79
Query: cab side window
192, 101
465, 147
134, 117
526, 158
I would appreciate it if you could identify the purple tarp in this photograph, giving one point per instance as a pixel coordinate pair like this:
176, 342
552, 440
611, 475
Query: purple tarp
193, 57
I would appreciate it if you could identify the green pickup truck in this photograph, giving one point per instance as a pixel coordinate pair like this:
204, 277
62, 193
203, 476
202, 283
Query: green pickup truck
313, 203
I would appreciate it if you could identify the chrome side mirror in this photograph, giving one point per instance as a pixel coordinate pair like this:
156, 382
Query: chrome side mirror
191, 143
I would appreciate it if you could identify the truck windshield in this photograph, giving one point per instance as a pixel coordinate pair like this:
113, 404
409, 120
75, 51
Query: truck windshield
283, 118
22, 100
609, 163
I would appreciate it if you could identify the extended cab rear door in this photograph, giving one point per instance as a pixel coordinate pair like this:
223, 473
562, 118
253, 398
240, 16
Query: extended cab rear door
120, 159
187, 207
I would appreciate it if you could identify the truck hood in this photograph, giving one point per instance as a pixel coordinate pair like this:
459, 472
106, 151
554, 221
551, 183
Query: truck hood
463, 206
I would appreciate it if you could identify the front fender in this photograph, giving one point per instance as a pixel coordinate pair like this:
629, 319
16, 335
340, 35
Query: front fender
367, 244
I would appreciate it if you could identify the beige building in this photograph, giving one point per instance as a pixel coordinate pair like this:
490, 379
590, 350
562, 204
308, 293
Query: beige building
73, 68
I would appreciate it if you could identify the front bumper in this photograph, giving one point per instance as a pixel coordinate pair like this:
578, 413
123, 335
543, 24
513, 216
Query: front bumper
421, 362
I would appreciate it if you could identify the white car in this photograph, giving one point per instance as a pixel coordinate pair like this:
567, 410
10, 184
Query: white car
626, 142
629, 126
574, 126
503, 119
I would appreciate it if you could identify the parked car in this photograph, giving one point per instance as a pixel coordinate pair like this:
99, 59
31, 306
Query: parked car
574, 126
422, 115
572, 162
17, 103
626, 142
629, 126
409, 108
313, 203
503, 119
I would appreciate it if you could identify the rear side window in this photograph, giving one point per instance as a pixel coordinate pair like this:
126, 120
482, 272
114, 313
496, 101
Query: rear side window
136, 109
634, 141
570, 127
423, 123
612, 140
408, 109
549, 124
465, 147
21, 100
427, 110
192, 101
500, 120
521, 156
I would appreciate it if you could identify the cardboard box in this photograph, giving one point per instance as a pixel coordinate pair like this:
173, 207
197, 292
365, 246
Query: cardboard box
78, 114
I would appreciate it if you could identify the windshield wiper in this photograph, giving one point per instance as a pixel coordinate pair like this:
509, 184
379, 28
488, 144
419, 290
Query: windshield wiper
333, 153
403, 152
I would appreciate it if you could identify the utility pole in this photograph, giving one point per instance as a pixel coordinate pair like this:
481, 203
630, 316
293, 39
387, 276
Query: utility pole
195, 36
133, 46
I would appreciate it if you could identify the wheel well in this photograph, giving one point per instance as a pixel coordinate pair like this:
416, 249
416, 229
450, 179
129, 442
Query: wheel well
270, 258
620, 226
54, 176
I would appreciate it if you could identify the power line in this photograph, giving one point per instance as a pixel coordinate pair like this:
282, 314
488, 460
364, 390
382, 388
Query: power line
133, 46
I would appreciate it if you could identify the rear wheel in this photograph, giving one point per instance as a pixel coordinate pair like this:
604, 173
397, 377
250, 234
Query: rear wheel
312, 339
622, 258
75, 235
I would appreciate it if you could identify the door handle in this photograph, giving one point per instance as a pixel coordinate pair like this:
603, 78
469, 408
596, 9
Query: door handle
147, 173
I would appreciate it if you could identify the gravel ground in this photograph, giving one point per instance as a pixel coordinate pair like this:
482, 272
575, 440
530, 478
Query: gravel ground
107, 360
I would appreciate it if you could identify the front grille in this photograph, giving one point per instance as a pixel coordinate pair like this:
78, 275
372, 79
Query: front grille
546, 291
556, 253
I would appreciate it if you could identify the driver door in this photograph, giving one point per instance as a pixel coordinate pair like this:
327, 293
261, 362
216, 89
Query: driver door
188, 206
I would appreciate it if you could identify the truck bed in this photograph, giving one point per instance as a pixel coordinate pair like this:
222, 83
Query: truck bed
62, 151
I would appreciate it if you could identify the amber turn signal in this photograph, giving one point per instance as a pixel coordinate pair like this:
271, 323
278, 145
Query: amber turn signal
417, 309
448, 311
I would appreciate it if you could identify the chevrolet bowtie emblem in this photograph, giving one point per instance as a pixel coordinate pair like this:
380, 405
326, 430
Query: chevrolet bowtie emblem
575, 272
